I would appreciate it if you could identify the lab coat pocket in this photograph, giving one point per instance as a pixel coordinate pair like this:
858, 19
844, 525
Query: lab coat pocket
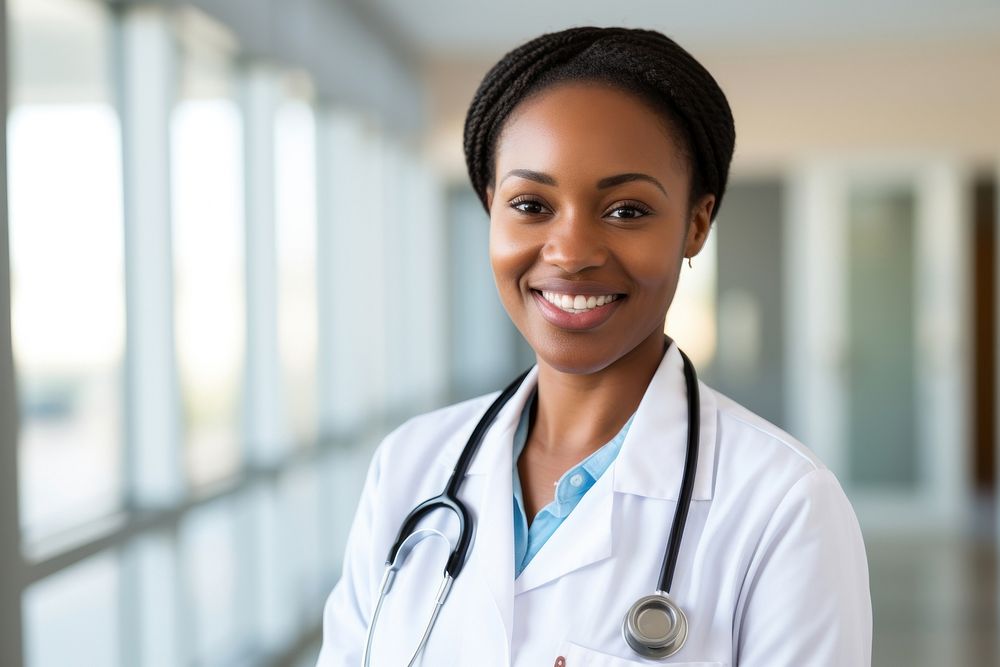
574, 655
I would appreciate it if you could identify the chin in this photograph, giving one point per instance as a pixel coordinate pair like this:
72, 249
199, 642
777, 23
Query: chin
576, 353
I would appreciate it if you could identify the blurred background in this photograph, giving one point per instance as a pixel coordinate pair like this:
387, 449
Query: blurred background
241, 248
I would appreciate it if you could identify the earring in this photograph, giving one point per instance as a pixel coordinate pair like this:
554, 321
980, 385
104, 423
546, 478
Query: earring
690, 265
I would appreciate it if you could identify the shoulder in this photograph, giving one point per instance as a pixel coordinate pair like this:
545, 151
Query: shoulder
739, 428
759, 464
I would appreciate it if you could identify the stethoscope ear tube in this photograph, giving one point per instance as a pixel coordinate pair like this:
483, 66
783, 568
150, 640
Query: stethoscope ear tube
457, 558
408, 535
400, 553
449, 498
687, 478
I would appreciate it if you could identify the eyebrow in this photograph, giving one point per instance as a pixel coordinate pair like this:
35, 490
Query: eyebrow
612, 181
604, 183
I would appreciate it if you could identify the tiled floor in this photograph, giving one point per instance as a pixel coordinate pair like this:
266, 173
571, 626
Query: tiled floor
935, 602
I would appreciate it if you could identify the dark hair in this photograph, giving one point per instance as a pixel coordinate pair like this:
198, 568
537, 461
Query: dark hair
645, 63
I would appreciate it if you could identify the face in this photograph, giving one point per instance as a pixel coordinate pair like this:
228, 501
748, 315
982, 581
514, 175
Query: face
589, 224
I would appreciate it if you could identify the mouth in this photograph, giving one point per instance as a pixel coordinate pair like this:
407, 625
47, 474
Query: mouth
577, 303
576, 312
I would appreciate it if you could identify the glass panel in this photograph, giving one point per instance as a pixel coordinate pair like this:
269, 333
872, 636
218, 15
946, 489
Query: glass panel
750, 364
295, 192
210, 563
71, 618
67, 270
880, 398
151, 587
301, 504
207, 182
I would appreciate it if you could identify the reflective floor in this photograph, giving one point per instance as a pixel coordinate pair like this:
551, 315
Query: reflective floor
935, 602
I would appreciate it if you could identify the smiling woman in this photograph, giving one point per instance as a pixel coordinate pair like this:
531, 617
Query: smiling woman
601, 155
590, 219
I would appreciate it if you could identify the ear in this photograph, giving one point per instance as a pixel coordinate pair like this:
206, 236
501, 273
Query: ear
699, 225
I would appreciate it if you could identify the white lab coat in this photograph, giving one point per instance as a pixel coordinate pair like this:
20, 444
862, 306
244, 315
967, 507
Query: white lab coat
771, 573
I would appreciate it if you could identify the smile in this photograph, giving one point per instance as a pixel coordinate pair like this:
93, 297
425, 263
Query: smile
577, 303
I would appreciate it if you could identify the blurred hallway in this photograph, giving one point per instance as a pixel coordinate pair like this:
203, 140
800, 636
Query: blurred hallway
241, 248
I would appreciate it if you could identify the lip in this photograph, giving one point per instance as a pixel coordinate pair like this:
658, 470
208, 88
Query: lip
582, 287
575, 321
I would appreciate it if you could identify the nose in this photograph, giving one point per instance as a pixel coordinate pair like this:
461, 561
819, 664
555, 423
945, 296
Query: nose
575, 243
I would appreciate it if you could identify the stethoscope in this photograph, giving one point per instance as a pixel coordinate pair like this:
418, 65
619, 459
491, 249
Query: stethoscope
654, 627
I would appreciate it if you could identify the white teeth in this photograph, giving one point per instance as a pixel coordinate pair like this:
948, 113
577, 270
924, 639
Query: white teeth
577, 303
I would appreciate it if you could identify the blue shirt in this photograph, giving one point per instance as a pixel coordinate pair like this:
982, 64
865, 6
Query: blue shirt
570, 488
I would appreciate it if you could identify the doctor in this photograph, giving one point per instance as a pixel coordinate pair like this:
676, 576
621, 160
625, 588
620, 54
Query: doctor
601, 156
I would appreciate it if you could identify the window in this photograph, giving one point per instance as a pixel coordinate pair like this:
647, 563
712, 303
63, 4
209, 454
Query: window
295, 194
67, 272
208, 236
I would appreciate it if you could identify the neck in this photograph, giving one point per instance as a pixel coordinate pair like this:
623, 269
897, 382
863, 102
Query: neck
578, 413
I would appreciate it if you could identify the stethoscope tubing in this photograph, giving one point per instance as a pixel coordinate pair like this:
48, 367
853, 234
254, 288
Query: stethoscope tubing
673, 549
448, 499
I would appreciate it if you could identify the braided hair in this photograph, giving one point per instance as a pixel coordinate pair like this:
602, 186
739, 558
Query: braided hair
642, 62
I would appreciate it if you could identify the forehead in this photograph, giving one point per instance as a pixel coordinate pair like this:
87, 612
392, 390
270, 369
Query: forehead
589, 126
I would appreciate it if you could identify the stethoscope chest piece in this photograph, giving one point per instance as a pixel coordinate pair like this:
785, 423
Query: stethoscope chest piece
655, 627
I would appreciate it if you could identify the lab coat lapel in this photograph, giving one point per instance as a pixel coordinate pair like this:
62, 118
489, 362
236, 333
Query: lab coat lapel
650, 464
584, 537
651, 461
491, 563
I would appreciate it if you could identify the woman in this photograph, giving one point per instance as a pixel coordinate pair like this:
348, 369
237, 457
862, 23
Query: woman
601, 156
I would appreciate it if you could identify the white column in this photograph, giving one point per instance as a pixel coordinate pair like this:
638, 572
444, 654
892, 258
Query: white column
147, 59
369, 269
263, 587
342, 289
943, 292
398, 222
266, 432
815, 259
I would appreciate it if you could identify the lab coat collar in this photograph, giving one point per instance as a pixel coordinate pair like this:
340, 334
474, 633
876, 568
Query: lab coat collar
499, 439
651, 461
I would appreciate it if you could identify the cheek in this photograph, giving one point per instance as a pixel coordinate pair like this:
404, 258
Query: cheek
510, 257
656, 270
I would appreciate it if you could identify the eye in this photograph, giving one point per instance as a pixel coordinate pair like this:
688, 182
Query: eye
528, 205
628, 210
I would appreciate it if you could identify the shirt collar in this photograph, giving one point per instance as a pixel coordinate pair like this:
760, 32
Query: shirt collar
651, 460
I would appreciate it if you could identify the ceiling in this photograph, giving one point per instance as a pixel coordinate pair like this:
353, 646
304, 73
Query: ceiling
434, 29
